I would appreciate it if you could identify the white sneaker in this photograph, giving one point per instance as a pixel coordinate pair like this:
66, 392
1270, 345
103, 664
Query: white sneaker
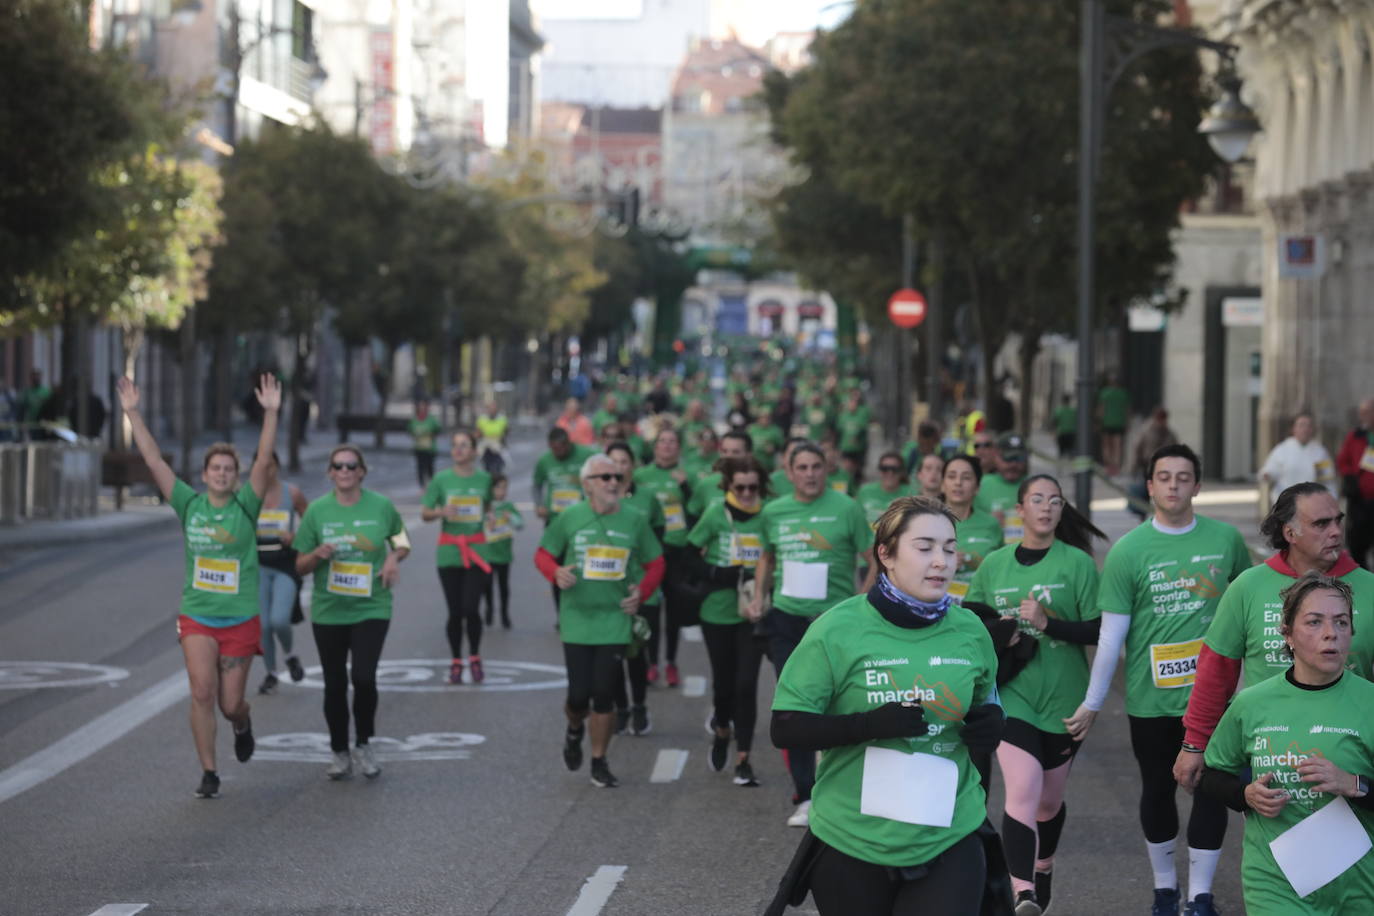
367, 761
341, 766
802, 816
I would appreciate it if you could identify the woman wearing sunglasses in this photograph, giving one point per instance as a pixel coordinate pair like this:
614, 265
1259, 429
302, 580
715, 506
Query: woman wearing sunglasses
219, 627
1048, 584
353, 540
891, 484
592, 552
979, 532
635, 718
729, 540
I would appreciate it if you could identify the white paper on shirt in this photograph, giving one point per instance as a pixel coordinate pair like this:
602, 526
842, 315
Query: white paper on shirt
912, 788
1321, 847
804, 580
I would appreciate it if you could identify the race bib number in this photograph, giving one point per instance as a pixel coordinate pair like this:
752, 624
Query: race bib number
1174, 664
220, 577
605, 564
673, 517
562, 499
1323, 471
1367, 460
839, 486
469, 507
804, 580
1013, 529
745, 550
273, 523
501, 531
351, 579
957, 591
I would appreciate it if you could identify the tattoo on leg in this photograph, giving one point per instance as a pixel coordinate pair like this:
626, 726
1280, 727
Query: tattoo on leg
229, 662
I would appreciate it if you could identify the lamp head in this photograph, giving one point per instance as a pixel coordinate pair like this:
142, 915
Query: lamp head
1230, 123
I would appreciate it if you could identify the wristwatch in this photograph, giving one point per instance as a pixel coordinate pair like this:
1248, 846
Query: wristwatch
1362, 786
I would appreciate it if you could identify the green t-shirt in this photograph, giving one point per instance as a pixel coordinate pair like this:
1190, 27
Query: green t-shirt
348, 587
688, 433
561, 481
1170, 584
705, 491
664, 487
854, 429
607, 551
647, 504
768, 442
841, 481
1116, 407
979, 535
424, 432
727, 542
875, 499
1065, 421
221, 552
1052, 684
1247, 623
997, 494
780, 484
471, 494
852, 660
1271, 728
818, 420
499, 530
601, 418
816, 546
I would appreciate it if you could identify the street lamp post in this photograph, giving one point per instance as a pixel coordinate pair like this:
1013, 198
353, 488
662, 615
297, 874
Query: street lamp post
1107, 46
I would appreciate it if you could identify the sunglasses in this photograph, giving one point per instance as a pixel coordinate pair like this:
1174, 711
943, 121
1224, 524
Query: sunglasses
344, 465
745, 487
984, 445
894, 468
605, 477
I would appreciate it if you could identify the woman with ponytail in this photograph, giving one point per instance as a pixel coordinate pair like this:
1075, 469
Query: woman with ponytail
1048, 584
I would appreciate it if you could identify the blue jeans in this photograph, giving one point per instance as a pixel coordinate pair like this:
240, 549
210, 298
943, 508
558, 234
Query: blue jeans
276, 595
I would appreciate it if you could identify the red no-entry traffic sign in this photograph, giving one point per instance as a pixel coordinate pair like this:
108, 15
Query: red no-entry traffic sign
906, 308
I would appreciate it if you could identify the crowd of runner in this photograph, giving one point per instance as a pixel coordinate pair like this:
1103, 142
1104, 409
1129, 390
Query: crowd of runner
920, 624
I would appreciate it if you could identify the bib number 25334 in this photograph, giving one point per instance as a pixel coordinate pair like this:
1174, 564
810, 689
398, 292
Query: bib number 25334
1174, 664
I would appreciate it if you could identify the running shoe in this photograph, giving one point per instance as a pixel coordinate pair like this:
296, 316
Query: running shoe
340, 766
475, 666
1042, 889
602, 777
720, 753
1201, 905
269, 684
652, 674
572, 748
1026, 904
639, 720
670, 676
1166, 902
802, 816
622, 721
744, 774
293, 665
367, 761
455, 672
244, 743
209, 785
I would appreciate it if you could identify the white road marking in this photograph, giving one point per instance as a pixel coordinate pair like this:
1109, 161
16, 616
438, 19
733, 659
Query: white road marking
694, 686
120, 909
691, 634
28, 675
92, 737
668, 766
597, 890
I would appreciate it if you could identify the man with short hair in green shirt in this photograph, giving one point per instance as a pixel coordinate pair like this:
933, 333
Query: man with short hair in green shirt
997, 492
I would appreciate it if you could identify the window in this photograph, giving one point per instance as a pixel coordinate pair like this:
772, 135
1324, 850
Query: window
302, 31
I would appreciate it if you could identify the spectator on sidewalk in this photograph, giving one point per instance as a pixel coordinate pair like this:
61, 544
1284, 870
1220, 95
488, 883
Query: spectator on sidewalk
575, 423
1299, 459
1066, 427
1355, 464
1152, 438
1114, 413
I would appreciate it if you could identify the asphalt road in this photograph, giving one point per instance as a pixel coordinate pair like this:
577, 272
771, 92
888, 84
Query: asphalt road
473, 813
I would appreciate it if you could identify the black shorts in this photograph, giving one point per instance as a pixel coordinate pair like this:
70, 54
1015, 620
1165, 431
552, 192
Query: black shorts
1050, 748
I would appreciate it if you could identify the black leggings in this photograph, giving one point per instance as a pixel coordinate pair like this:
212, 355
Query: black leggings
424, 467
334, 642
1155, 742
784, 633
951, 884
463, 588
735, 657
592, 673
499, 580
658, 619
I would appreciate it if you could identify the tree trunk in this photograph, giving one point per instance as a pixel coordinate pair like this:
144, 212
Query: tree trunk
293, 439
224, 410
384, 394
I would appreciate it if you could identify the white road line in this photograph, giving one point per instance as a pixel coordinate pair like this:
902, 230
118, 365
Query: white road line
91, 737
691, 634
120, 909
668, 766
597, 889
694, 686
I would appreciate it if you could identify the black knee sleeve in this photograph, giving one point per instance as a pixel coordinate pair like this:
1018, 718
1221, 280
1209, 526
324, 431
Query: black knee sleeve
1018, 843
1050, 831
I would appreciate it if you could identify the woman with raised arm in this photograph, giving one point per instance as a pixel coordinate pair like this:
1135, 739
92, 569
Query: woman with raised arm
219, 626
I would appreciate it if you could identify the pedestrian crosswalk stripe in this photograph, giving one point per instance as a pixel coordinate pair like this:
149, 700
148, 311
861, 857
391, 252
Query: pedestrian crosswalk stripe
668, 766
597, 890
